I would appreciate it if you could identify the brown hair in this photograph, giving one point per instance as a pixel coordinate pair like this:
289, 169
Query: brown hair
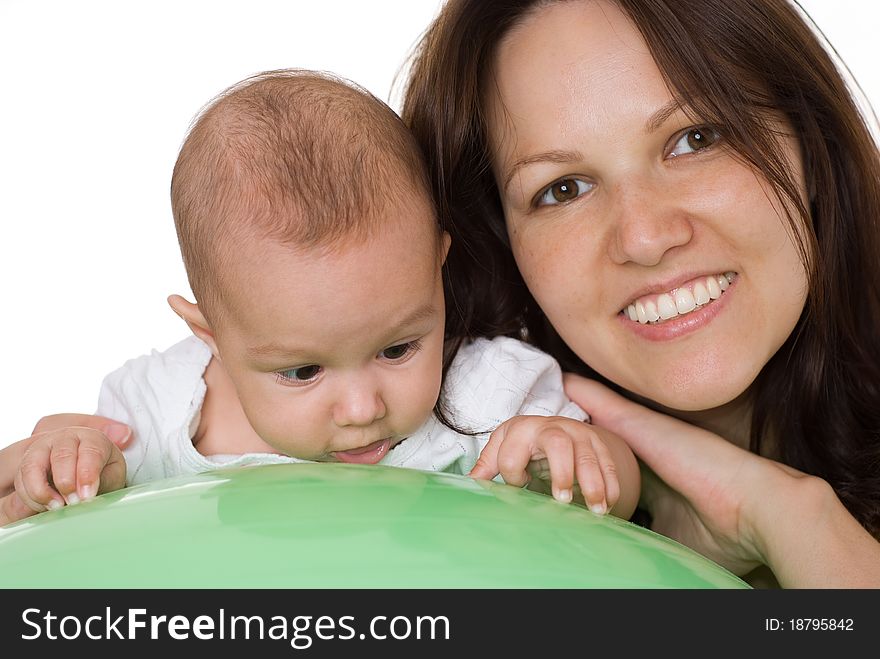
733, 63
302, 157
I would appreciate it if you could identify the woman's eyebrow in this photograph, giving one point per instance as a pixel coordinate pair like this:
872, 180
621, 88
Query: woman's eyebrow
546, 156
655, 121
662, 115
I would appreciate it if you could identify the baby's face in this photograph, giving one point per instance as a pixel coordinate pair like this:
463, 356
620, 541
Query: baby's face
337, 356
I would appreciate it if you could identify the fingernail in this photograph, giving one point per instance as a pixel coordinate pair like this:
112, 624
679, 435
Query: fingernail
72, 499
599, 508
118, 433
55, 504
88, 491
563, 496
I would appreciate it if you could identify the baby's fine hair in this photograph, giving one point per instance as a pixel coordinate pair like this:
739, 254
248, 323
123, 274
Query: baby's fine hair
301, 157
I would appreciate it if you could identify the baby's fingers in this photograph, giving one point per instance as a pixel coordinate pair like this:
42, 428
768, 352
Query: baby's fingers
13, 508
113, 474
33, 481
99, 466
64, 456
118, 433
486, 466
596, 475
555, 444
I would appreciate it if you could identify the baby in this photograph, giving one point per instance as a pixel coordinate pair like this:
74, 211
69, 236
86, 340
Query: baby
307, 228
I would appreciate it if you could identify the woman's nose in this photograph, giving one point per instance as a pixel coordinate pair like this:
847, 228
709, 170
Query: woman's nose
647, 225
360, 403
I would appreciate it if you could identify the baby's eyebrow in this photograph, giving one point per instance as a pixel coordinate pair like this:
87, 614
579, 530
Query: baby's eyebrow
273, 349
270, 350
417, 315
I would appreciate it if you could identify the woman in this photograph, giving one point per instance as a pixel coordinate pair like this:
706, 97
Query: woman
678, 198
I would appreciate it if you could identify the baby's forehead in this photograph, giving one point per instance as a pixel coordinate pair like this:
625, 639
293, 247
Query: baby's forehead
404, 231
350, 294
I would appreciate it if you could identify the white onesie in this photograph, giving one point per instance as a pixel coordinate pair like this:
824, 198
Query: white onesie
160, 396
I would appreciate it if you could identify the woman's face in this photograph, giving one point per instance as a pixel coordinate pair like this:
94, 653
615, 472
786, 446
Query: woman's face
662, 260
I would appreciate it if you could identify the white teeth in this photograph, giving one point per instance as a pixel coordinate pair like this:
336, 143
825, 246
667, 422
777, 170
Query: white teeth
666, 307
680, 301
713, 287
684, 300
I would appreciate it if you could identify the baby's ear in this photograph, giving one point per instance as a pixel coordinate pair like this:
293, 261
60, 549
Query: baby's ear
193, 317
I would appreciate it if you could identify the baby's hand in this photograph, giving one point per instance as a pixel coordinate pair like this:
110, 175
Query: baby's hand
66, 466
570, 448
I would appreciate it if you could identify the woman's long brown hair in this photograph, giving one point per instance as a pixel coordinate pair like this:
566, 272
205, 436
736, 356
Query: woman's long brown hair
733, 63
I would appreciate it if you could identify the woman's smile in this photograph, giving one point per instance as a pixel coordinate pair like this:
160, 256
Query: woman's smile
678, 301
680, 311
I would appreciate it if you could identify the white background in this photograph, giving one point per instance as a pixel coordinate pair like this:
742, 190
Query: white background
96, 99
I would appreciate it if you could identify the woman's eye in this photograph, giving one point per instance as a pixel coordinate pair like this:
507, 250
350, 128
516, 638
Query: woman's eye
693, 140
300, 375
563, 191
398, 352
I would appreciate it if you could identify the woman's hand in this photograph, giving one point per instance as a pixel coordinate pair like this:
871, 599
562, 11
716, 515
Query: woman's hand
734, 507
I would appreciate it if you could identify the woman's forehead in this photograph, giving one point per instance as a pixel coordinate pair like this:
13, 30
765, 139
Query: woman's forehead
572, 68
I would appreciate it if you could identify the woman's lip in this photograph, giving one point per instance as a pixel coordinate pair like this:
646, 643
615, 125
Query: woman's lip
680, 325
369, 454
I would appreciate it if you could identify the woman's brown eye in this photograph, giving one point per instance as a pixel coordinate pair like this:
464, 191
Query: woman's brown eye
699, 138
693, 140
563, 191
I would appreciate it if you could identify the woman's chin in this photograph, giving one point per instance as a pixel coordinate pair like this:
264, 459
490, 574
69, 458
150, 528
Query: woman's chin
693, 394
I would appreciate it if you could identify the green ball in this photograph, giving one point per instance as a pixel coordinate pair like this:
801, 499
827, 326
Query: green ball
340, 526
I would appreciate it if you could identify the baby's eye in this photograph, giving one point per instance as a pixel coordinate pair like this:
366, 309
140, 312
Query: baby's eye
563, 191
300, 374
693, 140
401, 350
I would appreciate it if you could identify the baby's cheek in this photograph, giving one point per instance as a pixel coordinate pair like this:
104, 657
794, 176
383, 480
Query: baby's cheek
419, 406
279, 429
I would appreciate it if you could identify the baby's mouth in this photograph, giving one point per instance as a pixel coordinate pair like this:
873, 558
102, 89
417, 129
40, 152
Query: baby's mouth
695, 294
369, 454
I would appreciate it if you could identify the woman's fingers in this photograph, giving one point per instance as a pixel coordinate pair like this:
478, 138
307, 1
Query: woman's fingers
702, 490
676, 451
